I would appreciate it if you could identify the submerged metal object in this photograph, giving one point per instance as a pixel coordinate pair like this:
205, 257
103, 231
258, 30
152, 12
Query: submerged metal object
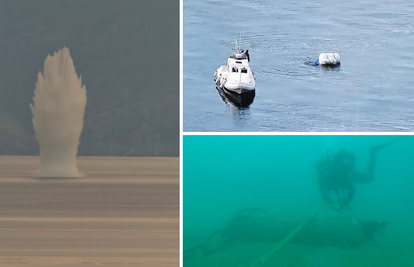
256, 225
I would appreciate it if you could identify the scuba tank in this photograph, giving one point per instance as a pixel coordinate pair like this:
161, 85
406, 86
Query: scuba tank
324, 167
330, 165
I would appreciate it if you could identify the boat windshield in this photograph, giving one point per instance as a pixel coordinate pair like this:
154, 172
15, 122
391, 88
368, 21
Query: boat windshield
238, 56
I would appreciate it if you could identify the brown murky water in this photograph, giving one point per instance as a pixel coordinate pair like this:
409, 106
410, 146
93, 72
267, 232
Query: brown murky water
122, 212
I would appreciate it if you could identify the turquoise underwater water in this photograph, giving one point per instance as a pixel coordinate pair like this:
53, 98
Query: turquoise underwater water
224, 174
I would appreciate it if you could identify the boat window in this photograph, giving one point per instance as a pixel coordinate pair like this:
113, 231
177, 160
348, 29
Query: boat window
234, 69
244, 71
238, 57
239, 62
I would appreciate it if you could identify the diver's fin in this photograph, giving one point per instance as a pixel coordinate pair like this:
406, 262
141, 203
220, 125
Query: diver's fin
375, 149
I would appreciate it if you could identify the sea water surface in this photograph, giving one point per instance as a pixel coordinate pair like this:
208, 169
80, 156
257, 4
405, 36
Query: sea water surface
225, 174
371, 91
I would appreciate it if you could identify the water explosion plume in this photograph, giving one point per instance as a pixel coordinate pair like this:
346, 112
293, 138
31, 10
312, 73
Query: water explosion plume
58, 111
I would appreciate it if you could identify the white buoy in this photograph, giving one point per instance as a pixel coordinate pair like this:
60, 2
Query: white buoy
329, 59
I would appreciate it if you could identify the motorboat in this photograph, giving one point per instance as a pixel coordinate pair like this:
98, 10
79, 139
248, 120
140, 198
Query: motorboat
236, 76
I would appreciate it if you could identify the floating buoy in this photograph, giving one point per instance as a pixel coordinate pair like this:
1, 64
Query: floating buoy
329, 59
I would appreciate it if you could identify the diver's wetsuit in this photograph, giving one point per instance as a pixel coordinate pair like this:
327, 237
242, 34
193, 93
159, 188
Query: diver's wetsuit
337, 174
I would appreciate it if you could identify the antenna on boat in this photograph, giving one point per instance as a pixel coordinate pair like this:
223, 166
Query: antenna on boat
237, 42
240, 40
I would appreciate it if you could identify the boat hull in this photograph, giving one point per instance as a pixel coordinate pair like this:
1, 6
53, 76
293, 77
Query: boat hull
231, 84
242, 100
238, 89
256, 226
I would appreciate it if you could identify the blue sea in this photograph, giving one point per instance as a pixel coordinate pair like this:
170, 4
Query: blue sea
372, 90
275, 175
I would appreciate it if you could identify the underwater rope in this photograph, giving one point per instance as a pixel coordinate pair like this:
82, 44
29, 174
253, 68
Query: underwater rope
282, 243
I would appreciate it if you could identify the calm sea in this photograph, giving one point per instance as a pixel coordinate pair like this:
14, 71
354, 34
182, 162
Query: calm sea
371, 91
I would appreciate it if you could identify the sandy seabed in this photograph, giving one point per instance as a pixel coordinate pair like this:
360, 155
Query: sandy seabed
122, 212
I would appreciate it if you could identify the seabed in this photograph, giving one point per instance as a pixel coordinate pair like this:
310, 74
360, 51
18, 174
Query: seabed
253, 243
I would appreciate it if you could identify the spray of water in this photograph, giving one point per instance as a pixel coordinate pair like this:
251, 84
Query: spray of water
58, 109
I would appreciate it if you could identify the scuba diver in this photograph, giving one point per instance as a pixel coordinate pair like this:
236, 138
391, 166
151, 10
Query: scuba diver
336, 175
